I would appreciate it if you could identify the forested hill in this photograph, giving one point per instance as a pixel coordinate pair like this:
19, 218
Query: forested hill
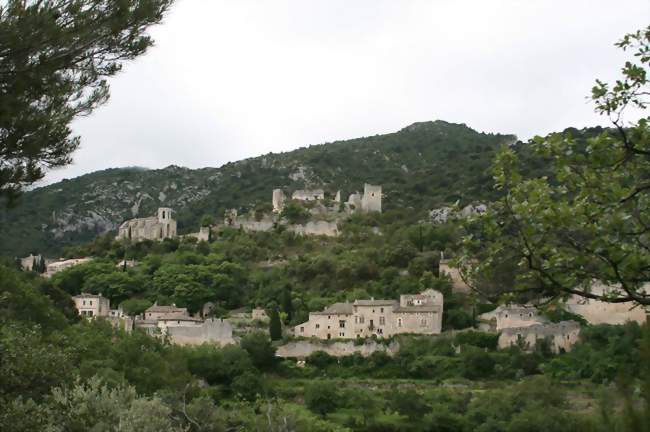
422, 166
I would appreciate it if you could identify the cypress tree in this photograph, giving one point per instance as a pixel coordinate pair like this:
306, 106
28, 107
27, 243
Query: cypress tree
287, 305
275, 327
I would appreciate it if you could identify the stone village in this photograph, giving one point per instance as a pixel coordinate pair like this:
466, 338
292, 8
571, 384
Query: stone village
419, 314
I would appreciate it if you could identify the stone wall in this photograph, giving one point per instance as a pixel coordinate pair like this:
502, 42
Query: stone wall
562, 336
325, 228
302, 349
212, 331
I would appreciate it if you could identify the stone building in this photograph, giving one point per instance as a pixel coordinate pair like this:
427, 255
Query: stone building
156, 312
369, 201
31, 262
419, 313
158, 227
92, 305
561, 336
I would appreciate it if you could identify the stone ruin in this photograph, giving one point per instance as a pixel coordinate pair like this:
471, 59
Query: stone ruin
369, 201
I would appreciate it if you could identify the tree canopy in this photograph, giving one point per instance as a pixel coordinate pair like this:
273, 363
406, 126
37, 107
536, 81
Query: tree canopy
589, 220
55, 57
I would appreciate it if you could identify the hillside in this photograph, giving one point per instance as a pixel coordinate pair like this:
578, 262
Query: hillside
421, 166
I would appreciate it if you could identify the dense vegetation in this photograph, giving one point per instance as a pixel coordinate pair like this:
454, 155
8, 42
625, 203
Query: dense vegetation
59, 373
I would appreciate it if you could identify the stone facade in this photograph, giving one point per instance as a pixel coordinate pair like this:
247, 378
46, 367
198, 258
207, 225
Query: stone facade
562, 336
371, 200
213, 331
325, 228
157, 227
419, 314
92, 305
30, 261
156, 312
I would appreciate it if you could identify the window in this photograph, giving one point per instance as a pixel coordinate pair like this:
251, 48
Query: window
423, 323
382, 321
530, 315
302, 329
178, 322
341, 323
317, 326
329, 317
506, 315
91, 302
84, 302
341, 334
399, 322
361, 320
90, 313
329, 327
381, 310
356, 319
380, 331
329, 336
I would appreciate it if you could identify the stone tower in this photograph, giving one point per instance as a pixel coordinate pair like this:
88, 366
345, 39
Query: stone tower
371, 200
164, 214
278, 200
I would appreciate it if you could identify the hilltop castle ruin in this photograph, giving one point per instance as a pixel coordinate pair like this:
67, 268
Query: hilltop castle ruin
369, 201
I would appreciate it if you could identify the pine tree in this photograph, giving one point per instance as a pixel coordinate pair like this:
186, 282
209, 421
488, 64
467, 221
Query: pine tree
275, 326
55, 57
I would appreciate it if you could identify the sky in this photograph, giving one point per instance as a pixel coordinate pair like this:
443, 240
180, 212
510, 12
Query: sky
227, 80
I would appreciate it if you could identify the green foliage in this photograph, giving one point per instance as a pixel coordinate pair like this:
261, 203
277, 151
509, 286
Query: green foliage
133, 307
321, 397
275, 325
56, 57
294, 213
478, 339
563, 232
259, 348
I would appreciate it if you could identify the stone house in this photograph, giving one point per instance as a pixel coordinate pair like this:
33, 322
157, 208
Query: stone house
561, 336
155, 312
92, 305
157, 227
419, 314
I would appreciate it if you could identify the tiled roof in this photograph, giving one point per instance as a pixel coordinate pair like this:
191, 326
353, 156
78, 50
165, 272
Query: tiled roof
166, 309
337, 309
375, 302
178, 316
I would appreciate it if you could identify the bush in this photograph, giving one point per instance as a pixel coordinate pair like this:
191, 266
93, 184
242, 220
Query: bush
477, 339
321, 397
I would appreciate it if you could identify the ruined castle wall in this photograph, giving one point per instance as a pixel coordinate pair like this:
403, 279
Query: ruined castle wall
316, 228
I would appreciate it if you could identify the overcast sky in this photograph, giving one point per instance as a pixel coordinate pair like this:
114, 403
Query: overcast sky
234, 79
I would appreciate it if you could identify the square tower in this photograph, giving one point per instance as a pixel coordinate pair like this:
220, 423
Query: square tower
371, 200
